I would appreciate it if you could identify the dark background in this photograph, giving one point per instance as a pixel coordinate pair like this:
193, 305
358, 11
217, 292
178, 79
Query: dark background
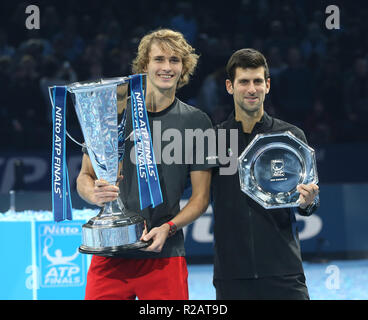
319, 77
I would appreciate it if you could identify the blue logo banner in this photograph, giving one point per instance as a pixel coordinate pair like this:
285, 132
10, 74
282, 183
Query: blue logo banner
60, 263
61, 199
148, 179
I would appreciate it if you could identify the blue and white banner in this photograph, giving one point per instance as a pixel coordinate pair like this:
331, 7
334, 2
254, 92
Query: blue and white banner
59, 261
148, 179
61, 201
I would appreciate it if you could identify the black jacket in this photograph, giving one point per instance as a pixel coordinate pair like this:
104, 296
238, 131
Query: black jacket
250, 241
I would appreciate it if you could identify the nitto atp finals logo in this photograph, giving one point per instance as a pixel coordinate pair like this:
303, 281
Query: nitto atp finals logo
61, 265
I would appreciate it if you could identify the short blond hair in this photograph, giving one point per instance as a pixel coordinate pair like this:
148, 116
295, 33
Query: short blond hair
168, 40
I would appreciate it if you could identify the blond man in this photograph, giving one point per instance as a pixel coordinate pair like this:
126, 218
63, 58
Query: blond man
158, 271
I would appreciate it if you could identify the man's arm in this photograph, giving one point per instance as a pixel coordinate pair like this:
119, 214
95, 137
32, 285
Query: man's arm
92, 190
308, 198
309, 194
196, 205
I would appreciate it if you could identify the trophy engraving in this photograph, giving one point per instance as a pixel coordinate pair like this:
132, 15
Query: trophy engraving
272, 166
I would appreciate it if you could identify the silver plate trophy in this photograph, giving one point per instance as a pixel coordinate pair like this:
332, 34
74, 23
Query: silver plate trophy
273, 165
100, 107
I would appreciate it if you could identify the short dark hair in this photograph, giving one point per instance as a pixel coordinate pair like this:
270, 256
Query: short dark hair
246, 58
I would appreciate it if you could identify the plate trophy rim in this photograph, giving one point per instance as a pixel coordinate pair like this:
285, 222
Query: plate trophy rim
249, 163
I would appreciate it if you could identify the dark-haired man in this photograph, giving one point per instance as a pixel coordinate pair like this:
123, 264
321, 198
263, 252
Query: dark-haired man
257, 251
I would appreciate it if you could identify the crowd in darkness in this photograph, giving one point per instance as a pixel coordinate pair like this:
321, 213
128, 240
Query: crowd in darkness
319, 77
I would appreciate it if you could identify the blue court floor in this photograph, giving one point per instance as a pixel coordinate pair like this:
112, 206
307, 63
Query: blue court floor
334, 280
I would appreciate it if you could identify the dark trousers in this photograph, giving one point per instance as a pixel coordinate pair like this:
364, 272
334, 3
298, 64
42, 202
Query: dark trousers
287, 287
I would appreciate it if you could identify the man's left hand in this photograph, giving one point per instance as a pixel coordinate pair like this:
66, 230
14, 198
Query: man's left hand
308, 193
158, 235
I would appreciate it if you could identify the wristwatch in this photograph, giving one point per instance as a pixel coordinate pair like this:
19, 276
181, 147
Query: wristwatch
311, 208
173, 228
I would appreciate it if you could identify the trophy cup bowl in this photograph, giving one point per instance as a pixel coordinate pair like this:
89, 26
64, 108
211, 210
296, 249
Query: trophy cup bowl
273, 165
99, 107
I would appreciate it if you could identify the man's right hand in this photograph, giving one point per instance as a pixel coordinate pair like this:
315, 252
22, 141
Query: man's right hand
104, 192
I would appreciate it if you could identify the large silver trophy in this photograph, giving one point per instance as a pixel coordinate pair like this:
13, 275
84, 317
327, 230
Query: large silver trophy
273, 165
101, 110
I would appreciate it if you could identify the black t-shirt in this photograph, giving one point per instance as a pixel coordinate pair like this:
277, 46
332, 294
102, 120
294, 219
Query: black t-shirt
251, 241
171, 131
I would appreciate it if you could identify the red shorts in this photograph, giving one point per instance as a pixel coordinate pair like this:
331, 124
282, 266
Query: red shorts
147, 279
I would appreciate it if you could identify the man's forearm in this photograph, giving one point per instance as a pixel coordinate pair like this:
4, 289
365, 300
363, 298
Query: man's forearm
196, 205
199, 200
85, 186
193, 209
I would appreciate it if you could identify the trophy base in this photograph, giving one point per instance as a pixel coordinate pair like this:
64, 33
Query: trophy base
113, 234
113, 251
